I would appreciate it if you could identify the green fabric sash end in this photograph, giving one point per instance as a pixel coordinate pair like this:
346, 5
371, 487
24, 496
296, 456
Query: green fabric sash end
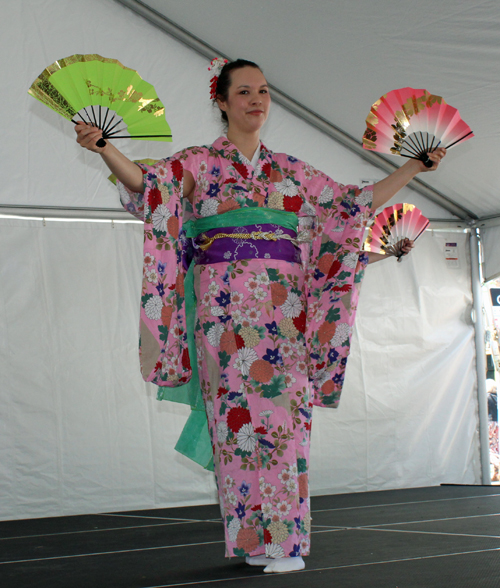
194, 441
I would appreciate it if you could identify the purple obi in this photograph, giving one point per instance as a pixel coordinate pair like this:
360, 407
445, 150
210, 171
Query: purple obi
229, 249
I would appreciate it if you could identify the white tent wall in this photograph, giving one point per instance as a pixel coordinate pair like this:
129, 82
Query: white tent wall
79, 430
490, 240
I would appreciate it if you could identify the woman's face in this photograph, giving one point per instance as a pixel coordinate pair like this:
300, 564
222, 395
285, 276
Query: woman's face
248, 102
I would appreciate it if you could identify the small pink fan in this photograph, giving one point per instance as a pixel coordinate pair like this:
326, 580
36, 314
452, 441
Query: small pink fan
412, 123
392, 226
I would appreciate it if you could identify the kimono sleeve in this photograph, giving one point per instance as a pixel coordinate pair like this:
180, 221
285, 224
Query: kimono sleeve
334, 277
163, 345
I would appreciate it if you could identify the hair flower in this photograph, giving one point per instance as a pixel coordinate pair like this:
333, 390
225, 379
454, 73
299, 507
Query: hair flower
216, 66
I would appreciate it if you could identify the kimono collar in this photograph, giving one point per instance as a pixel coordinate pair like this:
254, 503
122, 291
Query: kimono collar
229, 151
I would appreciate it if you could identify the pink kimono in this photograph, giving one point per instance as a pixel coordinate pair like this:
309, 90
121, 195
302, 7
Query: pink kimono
273, 323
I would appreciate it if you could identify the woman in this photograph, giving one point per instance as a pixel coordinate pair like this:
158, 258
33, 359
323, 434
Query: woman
276, 261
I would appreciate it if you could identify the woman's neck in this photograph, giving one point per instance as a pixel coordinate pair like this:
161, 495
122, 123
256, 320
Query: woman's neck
247, 143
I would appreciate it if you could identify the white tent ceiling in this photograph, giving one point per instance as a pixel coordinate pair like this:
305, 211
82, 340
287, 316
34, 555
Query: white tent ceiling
336, 58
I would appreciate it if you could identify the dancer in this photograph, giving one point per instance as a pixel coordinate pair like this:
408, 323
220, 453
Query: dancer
276, 246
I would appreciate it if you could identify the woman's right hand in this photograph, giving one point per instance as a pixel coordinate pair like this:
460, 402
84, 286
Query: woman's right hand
87, 136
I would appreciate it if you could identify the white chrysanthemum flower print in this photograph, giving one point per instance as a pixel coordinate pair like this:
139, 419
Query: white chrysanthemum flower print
209, 407
274, 551
326, 195
246, 356
287, 187
266, 413
351, 260
214, 334
342, 333
149, 259
364, 198
217, 311
246, 438
233, 528
213, 288
236, 298
160, 217
152, 276
209, 207
228, 481
124, 193
321, 377
292, 307
153, 307
222, 431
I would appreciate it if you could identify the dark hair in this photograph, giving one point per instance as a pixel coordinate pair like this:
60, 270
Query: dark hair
224, 81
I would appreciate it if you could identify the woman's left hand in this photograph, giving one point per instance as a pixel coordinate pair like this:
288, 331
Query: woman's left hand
435, 156
407, 245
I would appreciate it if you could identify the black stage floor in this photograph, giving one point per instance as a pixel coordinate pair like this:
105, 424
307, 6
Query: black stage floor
438, 537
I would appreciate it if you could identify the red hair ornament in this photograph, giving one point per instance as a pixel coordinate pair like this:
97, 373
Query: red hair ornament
216, 66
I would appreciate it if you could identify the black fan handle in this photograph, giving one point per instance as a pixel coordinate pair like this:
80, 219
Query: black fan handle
101, 143
427, 162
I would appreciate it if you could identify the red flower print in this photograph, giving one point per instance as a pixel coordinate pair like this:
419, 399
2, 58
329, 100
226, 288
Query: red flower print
177, 170
292, 203
241, 169
237, 417
261, 430
344, 288
173, 226
344, 215
158, 366
300, 322
266, 168
230, 181
256, 507
221, 391
240, 343
186, 363
267, 536
334, 268
154, 198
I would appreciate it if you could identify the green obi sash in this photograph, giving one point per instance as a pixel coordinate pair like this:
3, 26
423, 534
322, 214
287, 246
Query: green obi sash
194, 441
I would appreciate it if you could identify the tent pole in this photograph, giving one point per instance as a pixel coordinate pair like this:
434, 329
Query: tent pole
299, 110
482, 401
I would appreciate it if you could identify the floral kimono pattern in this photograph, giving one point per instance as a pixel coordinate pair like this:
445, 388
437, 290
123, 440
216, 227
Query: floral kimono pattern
272, 336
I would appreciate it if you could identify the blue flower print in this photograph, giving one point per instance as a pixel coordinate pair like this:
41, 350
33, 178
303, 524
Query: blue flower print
240, 511
161, 268
244, 489
273, 356
213, 190
272, 328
